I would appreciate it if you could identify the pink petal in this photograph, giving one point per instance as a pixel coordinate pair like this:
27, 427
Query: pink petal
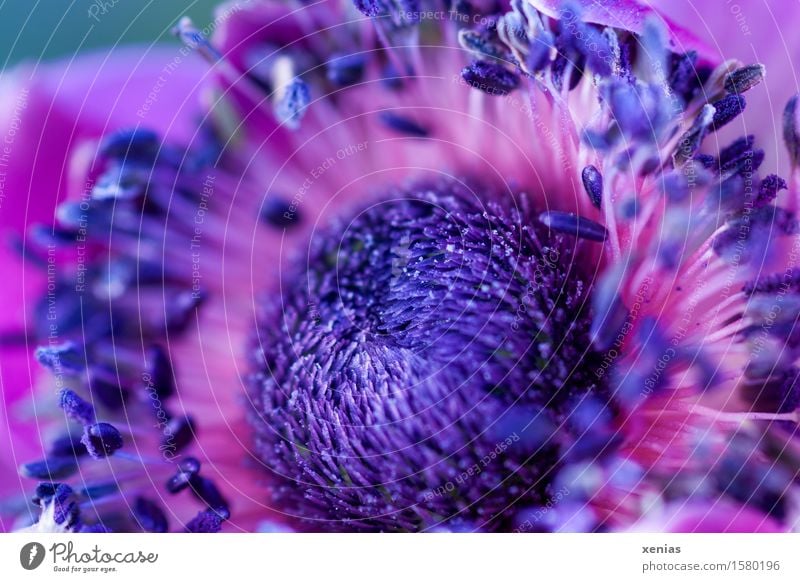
244, 26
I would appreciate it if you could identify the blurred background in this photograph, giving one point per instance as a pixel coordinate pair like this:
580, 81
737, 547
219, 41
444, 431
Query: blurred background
47, 29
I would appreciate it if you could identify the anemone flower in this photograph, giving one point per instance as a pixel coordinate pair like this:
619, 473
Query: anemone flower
408, 266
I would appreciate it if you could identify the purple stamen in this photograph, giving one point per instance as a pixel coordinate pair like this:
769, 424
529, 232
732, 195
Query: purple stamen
150, 516
727, 109
101, 440
491, 78
593, 185
205, 522
76, 407
402, 124
51, 469
745, 78
569, 223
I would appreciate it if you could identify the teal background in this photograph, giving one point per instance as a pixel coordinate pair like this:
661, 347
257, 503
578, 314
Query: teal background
47, 29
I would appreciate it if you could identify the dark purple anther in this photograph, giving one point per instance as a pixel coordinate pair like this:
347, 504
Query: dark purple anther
707, 161
50, 469
149, 515
777, 391
789, 280
189, 465
67, 446
94, 528
483, 43
187, 469
769, 188
125, 181
42, 236
640, 110
371, 8
291, 108
391, 77
490, 77
206, 521
106, 389
402, 124
736, 149
133, 145
571, 223
160, 375
745, 78
279, 212
72, 215
61, 358
747, 163
44, 493
593, 184
101, 440
758, 485
727, 109
65, 509
76, 407
590, 43
348, 69
791, 132
746, 232
178, 434
205, 490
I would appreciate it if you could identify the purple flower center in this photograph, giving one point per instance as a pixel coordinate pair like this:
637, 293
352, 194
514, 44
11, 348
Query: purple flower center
414, 372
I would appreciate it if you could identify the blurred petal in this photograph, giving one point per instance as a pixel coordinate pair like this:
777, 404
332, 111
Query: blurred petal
705, 517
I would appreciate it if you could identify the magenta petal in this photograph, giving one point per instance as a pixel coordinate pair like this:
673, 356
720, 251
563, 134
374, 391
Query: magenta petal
260, 22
